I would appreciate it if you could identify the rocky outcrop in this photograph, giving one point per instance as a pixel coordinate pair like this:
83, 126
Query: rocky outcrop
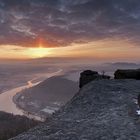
88, 76
127, 74
102, 110
139, 100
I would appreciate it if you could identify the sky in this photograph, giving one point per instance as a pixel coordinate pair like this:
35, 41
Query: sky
97, 29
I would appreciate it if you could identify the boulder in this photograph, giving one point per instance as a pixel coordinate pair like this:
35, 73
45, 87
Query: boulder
127, 74
89, 75
138, 100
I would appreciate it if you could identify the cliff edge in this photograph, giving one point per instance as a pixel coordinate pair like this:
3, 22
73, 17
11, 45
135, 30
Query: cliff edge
102, 110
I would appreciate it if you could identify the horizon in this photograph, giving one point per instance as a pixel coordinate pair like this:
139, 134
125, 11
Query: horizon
78, 61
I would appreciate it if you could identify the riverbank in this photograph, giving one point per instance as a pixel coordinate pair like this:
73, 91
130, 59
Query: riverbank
26, 112
6, 98
46, 97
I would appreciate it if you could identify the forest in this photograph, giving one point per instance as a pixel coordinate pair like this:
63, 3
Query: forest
12, 125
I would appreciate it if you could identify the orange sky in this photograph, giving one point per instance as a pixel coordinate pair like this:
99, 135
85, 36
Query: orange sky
102, 50
58, 28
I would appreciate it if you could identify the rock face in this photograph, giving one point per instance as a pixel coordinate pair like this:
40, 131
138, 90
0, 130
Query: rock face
88, 76
139, 100
127, 74
102, 110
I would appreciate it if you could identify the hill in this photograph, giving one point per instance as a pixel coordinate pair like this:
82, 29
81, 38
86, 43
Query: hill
101, 110
46, 97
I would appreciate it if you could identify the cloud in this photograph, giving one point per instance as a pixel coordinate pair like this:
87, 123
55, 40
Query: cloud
61, 22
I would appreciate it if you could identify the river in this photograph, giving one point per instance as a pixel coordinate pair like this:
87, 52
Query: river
6, 98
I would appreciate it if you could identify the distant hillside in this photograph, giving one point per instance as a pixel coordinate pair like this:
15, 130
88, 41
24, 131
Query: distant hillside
125, 64
11, 125
48, 96
101, 110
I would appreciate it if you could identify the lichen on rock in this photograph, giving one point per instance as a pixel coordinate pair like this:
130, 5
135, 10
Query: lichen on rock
101, 110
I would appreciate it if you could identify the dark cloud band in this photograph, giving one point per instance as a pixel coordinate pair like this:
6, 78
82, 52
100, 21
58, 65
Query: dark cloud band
61, 22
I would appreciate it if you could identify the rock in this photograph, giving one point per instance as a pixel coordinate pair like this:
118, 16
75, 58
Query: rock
101, 110
127, 74
139, 100
89, 75
86, 77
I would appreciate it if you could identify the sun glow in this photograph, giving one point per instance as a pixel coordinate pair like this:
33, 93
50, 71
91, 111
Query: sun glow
38, 52
101, 50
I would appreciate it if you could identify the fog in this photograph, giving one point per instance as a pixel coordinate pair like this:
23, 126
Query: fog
17, 72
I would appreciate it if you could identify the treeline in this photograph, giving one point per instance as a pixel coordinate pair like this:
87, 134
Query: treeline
12, 125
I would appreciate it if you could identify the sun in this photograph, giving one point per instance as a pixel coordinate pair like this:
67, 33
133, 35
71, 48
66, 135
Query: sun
38, 52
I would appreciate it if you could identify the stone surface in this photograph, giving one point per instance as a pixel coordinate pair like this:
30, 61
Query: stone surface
101, 110
127, 74
89, 75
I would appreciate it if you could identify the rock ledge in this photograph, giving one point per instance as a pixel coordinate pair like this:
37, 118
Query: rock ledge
102, 110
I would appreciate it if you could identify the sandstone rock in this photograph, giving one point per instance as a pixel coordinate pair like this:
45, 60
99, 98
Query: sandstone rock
139, 100
127, 74
89, 75
86, 77
102, 110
